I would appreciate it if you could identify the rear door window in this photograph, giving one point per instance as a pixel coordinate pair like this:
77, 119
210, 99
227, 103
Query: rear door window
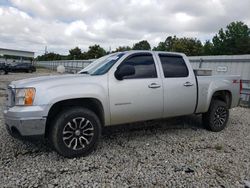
173, 66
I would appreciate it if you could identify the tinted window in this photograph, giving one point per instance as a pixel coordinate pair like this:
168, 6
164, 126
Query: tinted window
144, 66
173, 66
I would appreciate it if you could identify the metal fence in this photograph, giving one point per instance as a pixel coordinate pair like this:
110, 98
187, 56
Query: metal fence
224, 65
71, 66
220, 65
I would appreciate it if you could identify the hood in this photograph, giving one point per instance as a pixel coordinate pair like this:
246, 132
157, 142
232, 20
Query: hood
51, 81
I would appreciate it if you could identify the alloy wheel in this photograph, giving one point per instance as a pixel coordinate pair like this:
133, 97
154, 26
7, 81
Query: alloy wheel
78, 133
220, 116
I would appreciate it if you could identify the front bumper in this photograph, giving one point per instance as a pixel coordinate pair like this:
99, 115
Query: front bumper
25, 121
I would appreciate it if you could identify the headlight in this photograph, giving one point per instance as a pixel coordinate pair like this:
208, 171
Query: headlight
25, 96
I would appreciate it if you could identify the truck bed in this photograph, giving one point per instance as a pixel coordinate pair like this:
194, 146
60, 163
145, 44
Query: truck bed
208, 85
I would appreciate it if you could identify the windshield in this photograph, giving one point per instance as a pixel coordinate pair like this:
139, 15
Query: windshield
102, 65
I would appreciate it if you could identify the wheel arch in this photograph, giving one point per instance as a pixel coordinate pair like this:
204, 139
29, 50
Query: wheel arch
92, 104
223, 95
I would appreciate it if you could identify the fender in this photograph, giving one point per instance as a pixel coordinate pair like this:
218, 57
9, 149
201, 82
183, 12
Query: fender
52, 95
208, 91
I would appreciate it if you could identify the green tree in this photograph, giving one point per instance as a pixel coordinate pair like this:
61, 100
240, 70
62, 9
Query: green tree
49, 57
189, 46
75, 53
167, 45
122, 49
161, 47
170, 42
234, 40
84, 55
208, 48
142, 45
95, 51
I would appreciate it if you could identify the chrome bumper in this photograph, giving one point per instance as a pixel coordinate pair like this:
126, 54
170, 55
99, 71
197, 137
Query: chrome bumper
26, 121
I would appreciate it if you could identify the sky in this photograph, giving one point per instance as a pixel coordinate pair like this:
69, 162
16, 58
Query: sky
64, 24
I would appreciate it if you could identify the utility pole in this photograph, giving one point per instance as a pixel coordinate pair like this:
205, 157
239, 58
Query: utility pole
45, 50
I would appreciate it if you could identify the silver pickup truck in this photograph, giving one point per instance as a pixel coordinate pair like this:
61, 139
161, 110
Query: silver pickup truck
123, 87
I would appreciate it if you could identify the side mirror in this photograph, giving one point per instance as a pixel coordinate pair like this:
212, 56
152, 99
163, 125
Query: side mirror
124, 70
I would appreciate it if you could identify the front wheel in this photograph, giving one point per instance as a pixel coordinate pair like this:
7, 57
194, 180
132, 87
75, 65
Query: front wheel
75, 132
217, 116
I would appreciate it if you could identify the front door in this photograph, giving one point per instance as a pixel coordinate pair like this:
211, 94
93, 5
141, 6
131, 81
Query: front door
139, 96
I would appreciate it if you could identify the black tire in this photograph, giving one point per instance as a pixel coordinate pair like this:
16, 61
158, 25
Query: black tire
217, 116
64, 138
17, 136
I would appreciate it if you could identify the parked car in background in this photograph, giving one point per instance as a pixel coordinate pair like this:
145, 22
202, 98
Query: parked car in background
23, 67
124, 87
4, 68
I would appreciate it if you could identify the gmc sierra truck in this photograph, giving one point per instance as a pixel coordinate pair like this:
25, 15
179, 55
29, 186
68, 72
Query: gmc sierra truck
123, 87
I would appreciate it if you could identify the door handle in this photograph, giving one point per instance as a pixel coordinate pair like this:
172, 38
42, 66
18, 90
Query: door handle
154, 85
188, 84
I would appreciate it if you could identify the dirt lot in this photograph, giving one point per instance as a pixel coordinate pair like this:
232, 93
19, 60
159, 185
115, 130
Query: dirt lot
174, 153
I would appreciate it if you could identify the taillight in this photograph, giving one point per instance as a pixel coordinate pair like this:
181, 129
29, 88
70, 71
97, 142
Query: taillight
241, 86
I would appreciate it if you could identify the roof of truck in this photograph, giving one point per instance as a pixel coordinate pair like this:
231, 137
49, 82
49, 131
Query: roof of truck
170, 53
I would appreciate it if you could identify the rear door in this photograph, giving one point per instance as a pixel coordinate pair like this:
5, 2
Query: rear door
137, 97
179, 86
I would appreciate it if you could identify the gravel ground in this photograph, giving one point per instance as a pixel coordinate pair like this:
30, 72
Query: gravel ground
172, 153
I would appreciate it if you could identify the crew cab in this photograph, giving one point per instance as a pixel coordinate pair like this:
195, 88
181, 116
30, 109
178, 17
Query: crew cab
123, 87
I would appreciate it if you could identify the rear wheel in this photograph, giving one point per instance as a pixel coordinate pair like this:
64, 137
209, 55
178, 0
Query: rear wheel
75, 132
217, 116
